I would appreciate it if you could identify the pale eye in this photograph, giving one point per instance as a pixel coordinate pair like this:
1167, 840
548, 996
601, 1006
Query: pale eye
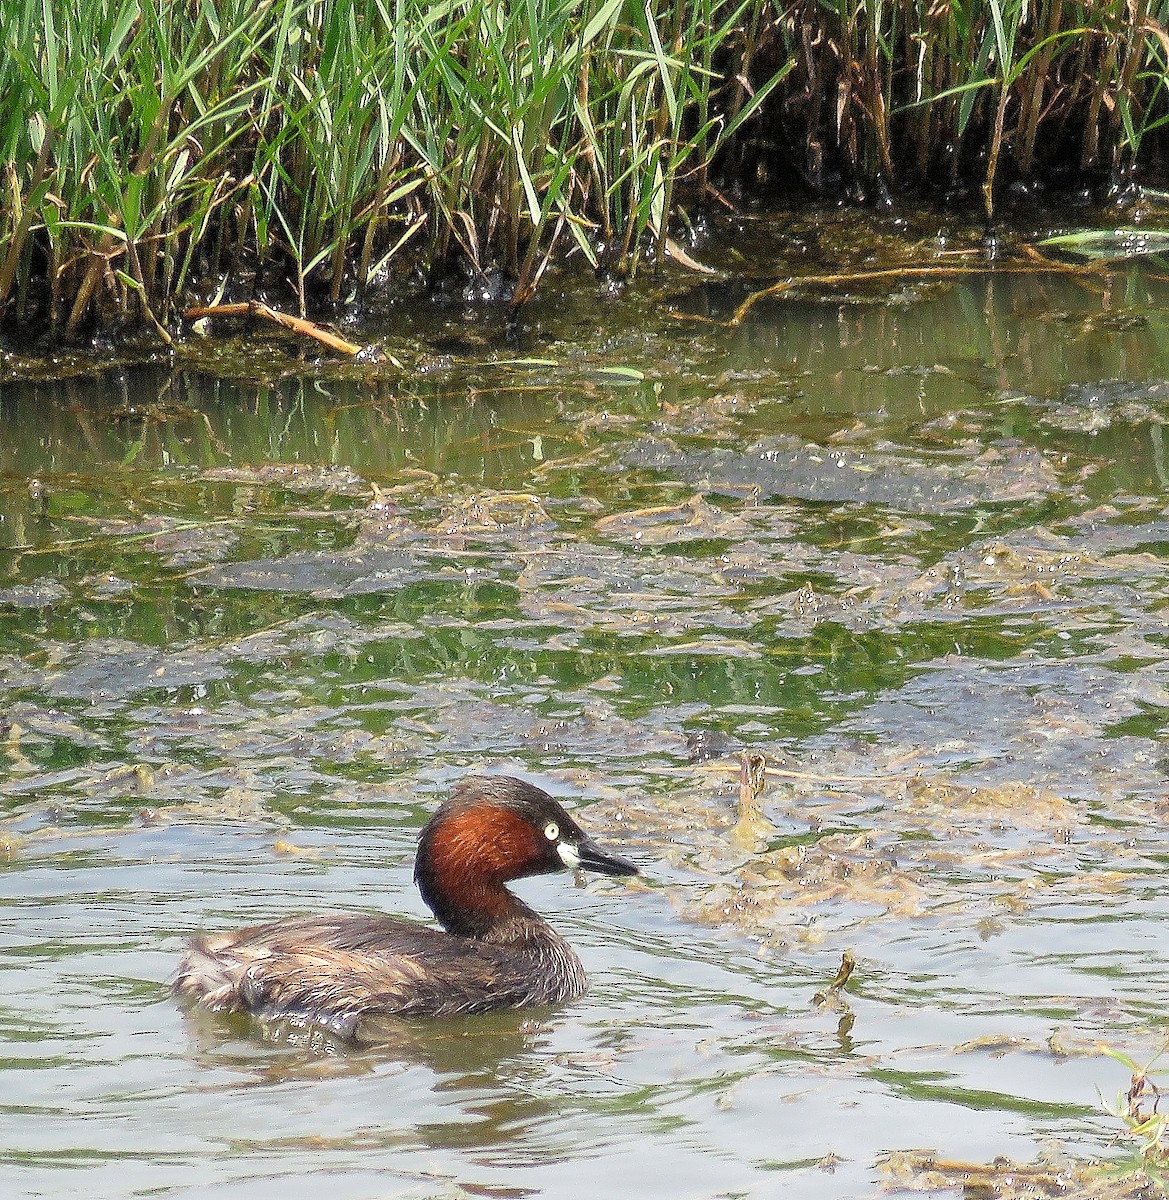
552, 831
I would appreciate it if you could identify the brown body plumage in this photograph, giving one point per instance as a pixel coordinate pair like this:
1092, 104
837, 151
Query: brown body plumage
343, 972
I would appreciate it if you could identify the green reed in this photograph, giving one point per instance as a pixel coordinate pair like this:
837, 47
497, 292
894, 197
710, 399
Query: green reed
152, 148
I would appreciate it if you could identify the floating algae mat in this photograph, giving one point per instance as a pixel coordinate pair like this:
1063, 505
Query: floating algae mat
846, 621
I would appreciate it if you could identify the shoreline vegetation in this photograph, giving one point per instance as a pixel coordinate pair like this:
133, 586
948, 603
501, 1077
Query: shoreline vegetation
159, 153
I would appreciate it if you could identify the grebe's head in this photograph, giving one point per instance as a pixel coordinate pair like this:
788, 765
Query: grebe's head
492, 829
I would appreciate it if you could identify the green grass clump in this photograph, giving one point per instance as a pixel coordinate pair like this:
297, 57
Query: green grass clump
149, 146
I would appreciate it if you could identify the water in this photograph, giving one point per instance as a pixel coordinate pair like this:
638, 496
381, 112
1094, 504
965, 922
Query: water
895, 546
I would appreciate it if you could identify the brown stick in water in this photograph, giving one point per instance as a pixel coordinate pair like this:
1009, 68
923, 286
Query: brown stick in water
257, 308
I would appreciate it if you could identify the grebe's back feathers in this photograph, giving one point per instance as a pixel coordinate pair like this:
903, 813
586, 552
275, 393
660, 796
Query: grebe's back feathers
333, 970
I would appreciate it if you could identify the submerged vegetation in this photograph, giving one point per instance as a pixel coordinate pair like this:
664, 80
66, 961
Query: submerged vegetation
152, 149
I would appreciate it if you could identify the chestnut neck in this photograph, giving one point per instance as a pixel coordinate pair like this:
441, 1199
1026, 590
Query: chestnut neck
487, 911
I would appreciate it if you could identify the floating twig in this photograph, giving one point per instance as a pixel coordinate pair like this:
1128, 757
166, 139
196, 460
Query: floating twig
257, 308
908, 271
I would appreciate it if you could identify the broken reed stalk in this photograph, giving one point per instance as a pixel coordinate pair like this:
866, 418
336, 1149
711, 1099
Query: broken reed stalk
256, 308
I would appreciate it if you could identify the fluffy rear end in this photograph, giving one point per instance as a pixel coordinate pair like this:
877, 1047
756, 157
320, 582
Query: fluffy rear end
210, 977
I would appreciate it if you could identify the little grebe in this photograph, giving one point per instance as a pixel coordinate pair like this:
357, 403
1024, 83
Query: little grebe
338, 971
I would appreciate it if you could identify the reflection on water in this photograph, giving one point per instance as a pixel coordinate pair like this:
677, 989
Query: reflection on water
909, 550
463, 1053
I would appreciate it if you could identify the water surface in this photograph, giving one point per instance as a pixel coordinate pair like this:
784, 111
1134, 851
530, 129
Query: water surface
908, 545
